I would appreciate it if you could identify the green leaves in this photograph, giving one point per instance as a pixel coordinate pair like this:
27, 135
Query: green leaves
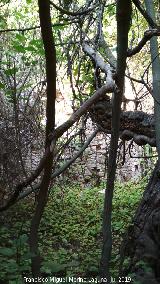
11, 71
2, 86
20, 37
19, 48
22, 44
7, 251
51, 267
70, 231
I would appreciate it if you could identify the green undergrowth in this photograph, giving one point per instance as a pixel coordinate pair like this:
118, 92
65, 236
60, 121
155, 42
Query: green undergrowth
70, 231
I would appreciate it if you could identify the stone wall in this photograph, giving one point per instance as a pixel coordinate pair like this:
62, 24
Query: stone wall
92, 166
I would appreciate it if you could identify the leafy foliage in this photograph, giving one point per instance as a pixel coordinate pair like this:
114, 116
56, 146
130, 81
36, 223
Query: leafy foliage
70, 231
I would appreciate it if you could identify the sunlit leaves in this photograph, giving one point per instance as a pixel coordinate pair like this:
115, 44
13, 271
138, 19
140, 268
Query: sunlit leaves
2, 22
22, 44
2, 85
10, 71
19, 48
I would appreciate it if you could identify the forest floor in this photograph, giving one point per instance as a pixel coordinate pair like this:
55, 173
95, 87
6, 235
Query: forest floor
70, 235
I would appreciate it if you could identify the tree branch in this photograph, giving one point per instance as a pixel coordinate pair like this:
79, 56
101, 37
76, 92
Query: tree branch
58, 172
74, 14
108, 88
144, 13
100, 63
136, 125
147, 36
31, 28
58, 132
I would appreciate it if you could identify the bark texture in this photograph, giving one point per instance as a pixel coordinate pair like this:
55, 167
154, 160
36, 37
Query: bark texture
141, 243
123, 13
50, 56
136, 125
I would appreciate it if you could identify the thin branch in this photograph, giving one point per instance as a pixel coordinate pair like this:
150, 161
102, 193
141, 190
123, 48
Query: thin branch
99, 61
147, 36
25, 183
74, 14
134, 79
32, 28
58, 172
58, 132
145, 14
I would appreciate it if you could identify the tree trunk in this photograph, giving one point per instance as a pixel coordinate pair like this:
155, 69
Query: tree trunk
141, 246
154, 49
123, 12
50, 56
142, 243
